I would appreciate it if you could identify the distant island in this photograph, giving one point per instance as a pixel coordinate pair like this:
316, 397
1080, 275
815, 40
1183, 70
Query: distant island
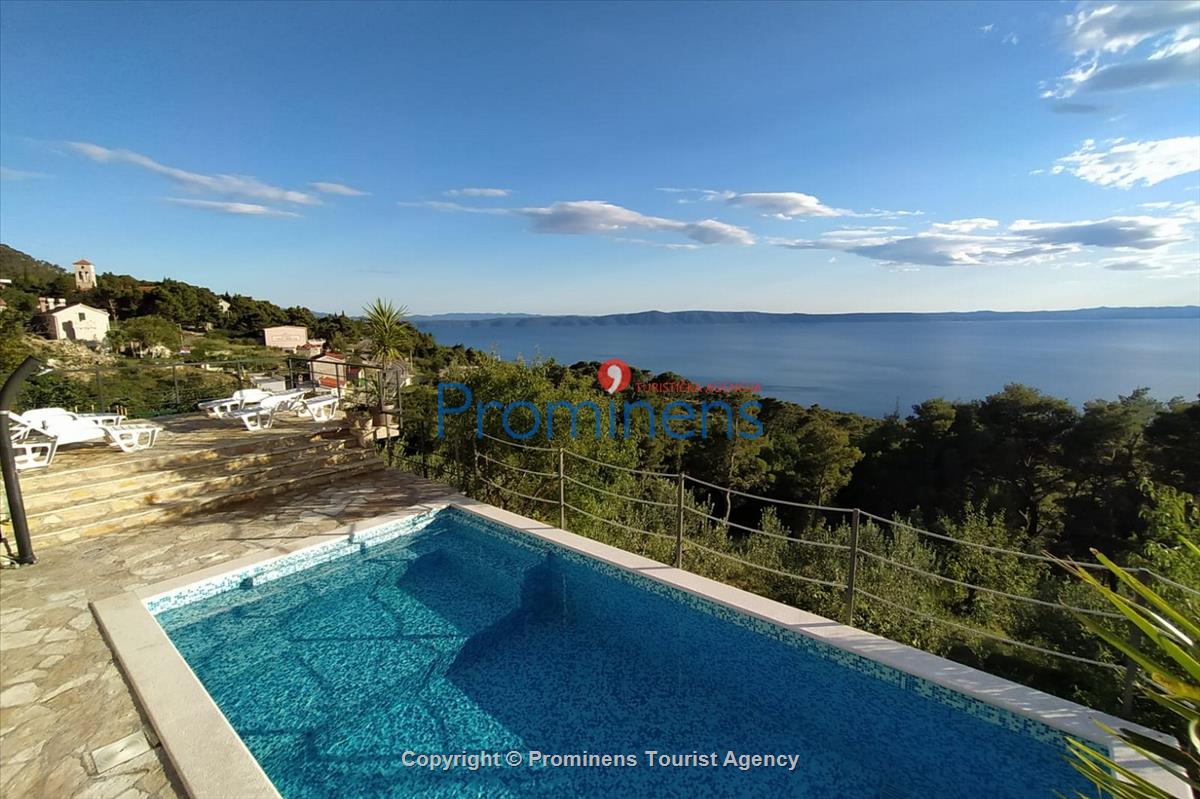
742, 317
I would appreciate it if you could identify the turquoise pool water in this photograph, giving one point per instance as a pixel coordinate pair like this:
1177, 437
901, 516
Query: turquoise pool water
464, 638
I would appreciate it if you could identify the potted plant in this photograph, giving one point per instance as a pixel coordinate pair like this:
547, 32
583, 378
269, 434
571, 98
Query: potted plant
389, 337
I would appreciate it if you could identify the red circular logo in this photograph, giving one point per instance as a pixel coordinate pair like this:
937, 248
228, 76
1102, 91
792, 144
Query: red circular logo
614, 375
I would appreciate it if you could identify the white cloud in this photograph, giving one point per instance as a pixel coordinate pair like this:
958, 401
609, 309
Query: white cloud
964, 225
441, 205
581, 217
781, 204
1125, 232
1011, 38
8, 174
1119, 27
340, 189
477, 192
1130, 265
595, 216
784, 204
1126, 164
1120, 46
238, 209
225, 185
972, 242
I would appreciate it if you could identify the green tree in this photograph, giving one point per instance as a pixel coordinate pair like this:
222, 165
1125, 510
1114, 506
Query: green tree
1173, 439
1025, 430
142, 333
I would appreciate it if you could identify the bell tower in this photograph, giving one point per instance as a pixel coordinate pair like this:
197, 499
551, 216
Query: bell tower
85, 275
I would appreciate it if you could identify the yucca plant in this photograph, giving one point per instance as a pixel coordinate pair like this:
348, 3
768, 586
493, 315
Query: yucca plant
1166, 648
387, 331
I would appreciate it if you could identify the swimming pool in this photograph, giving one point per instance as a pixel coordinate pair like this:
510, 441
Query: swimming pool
363, 668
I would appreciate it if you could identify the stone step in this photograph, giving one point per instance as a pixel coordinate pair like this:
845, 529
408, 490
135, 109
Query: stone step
154, 493
160, 514
49, 497
162, 457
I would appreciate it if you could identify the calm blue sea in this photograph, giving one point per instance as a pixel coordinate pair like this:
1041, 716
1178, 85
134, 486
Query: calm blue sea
462, 638
871, 367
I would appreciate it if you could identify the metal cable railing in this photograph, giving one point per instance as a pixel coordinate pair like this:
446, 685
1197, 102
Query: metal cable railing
569, 506
856, 552
786, 502
761, 567
520, 469
1172, 583
639, 500
992, 591
993, 636
977, 545
788, 538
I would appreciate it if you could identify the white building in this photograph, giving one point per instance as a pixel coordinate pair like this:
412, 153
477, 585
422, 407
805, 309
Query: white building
285, 337
77, 322
85, 275
329, 370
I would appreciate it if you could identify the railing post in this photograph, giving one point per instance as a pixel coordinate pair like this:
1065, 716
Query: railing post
562, 492
175, 380
679, 523
852, 570
99, 389
241, 377
1131, 666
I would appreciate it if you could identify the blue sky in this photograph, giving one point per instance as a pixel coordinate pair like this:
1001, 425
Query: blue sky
578, 158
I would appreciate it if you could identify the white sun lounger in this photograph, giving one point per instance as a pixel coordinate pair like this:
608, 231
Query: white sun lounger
34, 454
65, 427
319, 409
220, 408
262, 415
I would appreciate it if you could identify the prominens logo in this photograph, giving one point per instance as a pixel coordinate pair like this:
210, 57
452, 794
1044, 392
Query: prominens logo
614, 375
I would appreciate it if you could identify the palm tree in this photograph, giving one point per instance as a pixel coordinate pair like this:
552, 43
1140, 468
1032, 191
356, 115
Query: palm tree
388, 332
390, 338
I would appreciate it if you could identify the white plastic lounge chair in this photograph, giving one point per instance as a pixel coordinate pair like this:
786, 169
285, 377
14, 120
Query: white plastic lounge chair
262, 416
31, 450
220, 408
319, 409
38, 415
34, 454
73, 428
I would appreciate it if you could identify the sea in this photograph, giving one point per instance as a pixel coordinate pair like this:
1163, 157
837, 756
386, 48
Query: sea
875, 367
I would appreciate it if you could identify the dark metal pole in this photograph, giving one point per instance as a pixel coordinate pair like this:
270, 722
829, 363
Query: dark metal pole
679, 523
8, 462
99, 391
852, 569
562, 492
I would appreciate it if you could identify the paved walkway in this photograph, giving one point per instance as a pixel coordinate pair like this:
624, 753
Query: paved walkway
62, 697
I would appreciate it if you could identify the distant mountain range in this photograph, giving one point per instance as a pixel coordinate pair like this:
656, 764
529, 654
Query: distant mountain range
741, 317
467, 317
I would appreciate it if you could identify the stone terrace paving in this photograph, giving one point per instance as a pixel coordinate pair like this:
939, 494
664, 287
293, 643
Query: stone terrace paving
69, 726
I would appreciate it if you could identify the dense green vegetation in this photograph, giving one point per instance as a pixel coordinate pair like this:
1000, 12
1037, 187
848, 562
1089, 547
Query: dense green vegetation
1017, 470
